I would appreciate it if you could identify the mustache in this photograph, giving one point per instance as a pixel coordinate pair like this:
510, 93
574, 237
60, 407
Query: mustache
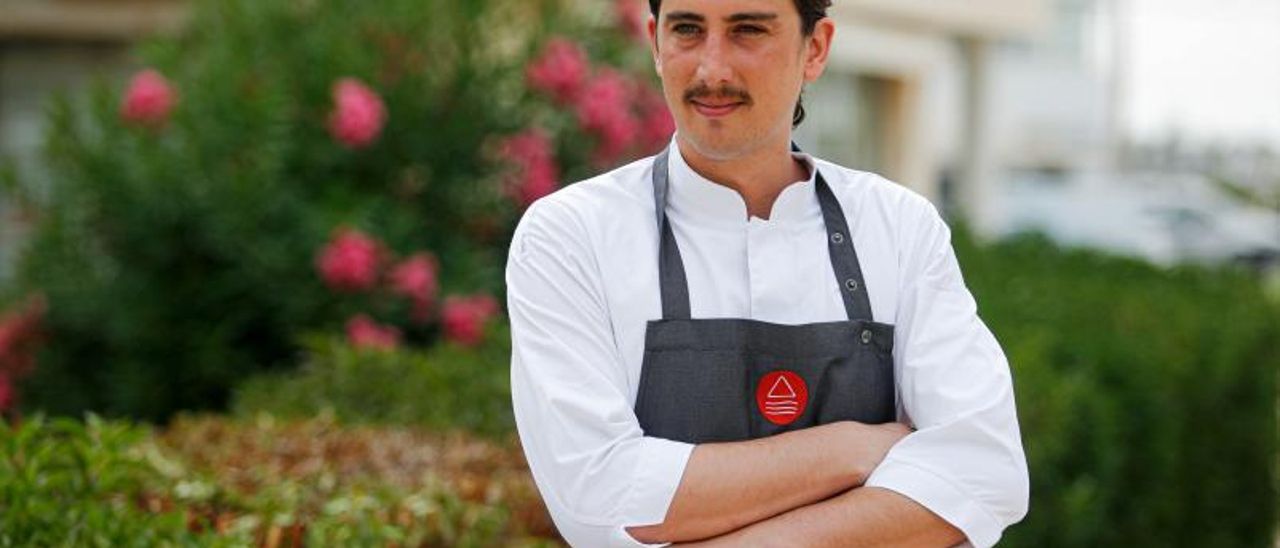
703, 91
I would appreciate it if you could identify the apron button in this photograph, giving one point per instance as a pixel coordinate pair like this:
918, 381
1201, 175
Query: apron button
851, 284
837, 238
866, 336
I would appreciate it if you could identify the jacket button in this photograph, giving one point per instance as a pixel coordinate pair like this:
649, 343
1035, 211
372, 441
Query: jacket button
837, 238
851, 284
866, 336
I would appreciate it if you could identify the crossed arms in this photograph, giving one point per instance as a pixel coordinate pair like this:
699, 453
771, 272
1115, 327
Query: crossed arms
605, 482
800, 488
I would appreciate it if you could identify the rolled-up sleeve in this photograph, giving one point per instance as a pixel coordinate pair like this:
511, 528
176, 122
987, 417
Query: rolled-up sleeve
595, 469
965, 461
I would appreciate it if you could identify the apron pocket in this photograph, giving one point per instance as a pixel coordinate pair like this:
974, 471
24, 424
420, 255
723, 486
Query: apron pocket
859, 389
693, 396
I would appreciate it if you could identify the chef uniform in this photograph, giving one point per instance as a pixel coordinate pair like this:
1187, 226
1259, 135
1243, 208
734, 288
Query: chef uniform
649, 314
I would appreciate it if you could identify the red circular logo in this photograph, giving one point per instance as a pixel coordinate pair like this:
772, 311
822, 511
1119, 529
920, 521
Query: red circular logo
781, 397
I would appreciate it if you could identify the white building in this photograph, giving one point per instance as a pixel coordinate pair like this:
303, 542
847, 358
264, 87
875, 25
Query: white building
1008, 113
909, 91
1059, 138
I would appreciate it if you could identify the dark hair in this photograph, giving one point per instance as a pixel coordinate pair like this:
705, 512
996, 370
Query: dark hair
811, 11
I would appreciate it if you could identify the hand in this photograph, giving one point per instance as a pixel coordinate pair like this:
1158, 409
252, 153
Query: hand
869, 443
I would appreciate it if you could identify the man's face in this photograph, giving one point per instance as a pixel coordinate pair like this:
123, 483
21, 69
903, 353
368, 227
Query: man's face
732, 70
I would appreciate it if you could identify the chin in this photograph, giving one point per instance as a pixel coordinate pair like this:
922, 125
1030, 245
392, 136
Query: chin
718, 143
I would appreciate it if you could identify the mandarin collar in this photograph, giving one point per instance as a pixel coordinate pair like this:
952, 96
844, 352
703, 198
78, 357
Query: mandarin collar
697, 199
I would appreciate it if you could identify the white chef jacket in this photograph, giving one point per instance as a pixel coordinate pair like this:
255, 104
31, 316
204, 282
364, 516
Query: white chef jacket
582, 281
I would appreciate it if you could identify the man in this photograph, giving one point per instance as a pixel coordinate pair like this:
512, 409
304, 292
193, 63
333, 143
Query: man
724, 345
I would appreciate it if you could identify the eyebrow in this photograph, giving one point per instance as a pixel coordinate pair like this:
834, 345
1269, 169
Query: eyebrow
688, 16
685, 16
754, 16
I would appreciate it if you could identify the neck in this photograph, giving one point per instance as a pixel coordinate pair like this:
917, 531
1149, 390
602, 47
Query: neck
759, 177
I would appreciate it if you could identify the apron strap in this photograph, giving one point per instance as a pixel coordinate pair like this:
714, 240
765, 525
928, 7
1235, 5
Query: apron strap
671, 278
674, 286
844, 257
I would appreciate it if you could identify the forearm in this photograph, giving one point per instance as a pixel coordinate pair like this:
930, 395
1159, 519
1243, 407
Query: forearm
866, 516
727, 486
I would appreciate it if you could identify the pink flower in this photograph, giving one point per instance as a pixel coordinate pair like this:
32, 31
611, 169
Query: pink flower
350, 261
604, 98
416, 279
632, 16
463, 317
20, 334
539, 180
10, 335
656, 123
604, 108
363, 332
6, 391
537, 173
20, 337
559, 71
358, 114
530, 147
148, 100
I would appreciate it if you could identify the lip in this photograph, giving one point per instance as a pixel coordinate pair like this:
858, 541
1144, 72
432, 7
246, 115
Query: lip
715, 111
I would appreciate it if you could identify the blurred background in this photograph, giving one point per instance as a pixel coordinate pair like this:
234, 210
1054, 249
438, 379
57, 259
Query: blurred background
251, 251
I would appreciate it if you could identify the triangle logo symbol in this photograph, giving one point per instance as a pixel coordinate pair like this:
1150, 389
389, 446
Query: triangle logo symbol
781, 389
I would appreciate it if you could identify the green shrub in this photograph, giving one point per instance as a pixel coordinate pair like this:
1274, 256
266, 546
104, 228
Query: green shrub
1147, 396
178, 253
447, 387
67, 483
212, 482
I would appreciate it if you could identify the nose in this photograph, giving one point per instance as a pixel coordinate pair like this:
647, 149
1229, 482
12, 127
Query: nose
713, 66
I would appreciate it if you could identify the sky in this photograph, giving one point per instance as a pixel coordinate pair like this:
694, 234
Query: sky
1208, 69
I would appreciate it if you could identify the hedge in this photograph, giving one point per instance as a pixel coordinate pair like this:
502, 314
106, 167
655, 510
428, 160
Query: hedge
1146, 395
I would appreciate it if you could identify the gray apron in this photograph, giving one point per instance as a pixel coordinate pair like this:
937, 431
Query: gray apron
710, 380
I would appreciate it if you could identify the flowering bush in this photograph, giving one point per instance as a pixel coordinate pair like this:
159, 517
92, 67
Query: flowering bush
285, 168
621, 113
352, 263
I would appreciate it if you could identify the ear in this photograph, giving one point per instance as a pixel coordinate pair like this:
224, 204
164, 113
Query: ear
653, 43
818, 49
